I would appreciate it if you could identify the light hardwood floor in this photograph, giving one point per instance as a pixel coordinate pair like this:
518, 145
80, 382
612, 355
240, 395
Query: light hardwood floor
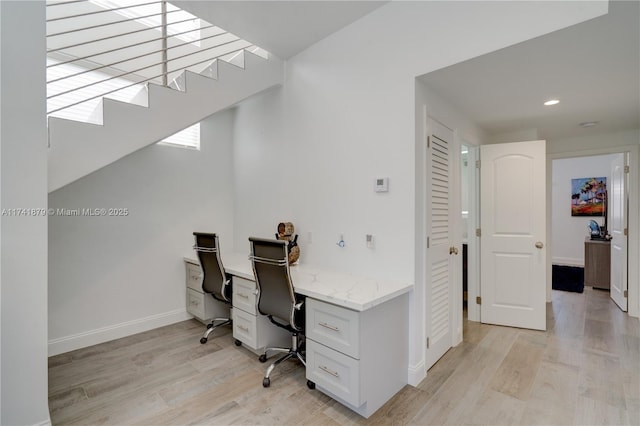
584, 370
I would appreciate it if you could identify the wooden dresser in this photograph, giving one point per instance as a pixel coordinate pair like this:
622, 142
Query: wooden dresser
597, 263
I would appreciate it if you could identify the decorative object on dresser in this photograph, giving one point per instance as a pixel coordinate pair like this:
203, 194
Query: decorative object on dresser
214, 280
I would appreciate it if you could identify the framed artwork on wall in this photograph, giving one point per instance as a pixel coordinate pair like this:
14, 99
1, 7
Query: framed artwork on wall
588, 196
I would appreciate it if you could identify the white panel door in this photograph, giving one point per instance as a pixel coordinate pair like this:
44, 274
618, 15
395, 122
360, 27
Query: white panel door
618, 223
512, 242
440, 251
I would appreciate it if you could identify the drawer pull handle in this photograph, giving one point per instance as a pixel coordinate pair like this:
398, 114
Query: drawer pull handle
243, 328
194, 302
330, 327
327, 370
243, 295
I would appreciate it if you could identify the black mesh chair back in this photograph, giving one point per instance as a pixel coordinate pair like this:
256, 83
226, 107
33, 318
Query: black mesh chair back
276, 298
214, 280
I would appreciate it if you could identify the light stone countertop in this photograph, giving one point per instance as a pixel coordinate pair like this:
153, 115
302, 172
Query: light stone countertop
339, 288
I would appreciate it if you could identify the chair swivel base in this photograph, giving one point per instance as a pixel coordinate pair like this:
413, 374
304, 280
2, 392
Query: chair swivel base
295, 351
212, 326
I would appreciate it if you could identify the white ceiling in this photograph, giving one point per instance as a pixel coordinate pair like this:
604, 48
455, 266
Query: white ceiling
284, 28
593, 67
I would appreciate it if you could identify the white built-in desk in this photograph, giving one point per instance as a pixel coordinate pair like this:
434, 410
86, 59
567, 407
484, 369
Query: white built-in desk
356, 329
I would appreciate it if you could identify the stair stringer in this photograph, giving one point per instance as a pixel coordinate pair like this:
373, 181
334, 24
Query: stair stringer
78, 149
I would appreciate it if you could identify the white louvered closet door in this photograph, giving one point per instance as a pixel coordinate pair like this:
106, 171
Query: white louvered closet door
439, 276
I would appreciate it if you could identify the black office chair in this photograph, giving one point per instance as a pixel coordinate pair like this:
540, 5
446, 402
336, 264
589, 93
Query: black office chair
276, 297
214, 279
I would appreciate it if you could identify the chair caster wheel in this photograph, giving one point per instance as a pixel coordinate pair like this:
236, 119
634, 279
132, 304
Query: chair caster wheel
209, 326
263, 358
238, 342
266, 382
203, 340
311, 385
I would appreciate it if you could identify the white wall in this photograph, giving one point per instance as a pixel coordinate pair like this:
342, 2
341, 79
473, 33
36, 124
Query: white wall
114, 276
261, 170
23, 176
349, 112
594, 141
517, 136
569, 232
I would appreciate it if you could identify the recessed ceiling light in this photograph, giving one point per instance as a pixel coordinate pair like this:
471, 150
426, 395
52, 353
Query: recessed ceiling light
588, 124
551, 102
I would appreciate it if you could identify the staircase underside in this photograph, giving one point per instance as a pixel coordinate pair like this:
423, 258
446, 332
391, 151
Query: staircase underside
78, 149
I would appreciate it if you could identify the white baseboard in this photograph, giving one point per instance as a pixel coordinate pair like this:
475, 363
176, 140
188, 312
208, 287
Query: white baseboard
416, 374
567, 261
104, 334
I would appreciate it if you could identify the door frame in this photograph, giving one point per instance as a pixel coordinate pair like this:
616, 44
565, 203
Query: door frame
633, 254
473, 241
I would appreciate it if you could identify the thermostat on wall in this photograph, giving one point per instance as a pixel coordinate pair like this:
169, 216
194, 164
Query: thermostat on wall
382, 184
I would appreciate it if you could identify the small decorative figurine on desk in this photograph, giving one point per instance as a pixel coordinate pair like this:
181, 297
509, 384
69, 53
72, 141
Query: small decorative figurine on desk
285, 233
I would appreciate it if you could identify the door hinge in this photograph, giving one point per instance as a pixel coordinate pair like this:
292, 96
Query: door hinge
427, 343
478, 300
626, 231
626, 169
478, 232
428, 141
477, 164
626, 294
428, 242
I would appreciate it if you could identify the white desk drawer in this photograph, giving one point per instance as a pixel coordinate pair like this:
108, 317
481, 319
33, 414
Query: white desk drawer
333, 326
333, 371
194, 278
244, 328
244, 295
195, 304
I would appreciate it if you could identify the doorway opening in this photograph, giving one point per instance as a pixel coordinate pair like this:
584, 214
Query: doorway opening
589, 251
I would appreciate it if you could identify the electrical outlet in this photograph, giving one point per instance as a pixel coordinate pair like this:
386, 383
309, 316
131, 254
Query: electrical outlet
369, 239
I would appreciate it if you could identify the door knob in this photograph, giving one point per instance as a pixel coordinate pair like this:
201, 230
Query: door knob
539, 245
453, 250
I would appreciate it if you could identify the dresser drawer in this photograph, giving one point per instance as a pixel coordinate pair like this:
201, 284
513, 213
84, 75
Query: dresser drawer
194, 276
244, 295
244, 328
333, 326
196, 304
335, 372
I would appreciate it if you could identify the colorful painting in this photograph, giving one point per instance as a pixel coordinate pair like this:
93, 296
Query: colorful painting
588, 196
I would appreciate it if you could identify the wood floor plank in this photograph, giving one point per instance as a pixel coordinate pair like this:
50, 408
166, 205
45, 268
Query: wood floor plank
553, 396
517, 372
599, 336
592, 412
493, 408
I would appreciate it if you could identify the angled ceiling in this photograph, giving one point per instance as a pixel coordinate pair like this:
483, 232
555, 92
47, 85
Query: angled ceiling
284, 28
593, 68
